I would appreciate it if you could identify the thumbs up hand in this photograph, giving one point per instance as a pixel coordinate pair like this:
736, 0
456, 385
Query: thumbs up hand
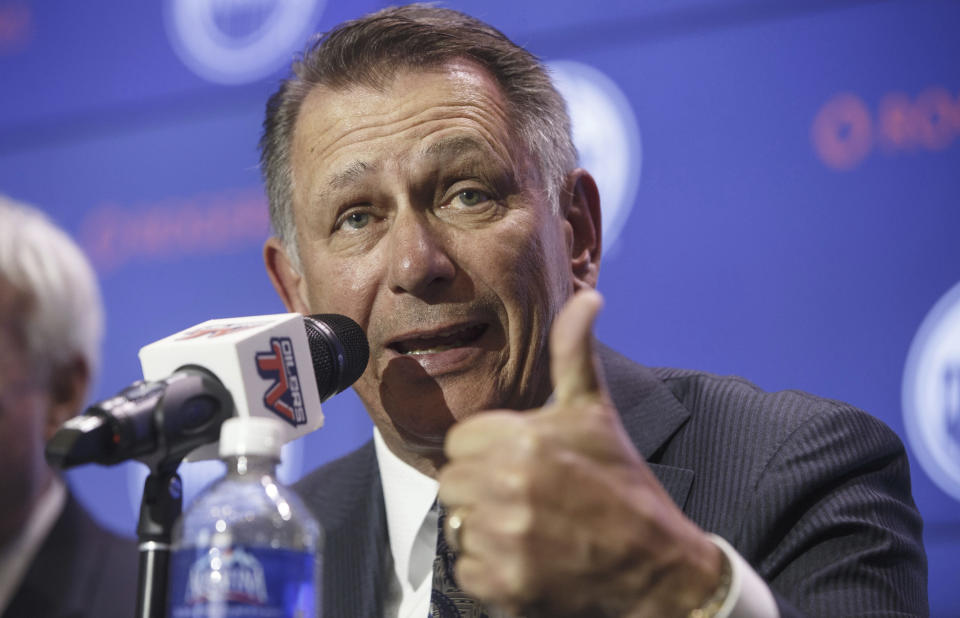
561, 515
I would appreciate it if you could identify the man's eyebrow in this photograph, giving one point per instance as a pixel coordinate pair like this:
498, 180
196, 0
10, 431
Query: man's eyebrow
453, 147
445, 148
350, 174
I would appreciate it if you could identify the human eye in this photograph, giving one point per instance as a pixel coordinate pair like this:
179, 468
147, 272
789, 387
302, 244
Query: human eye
472, 197
470, 202
357, 220
469, 198
354, 219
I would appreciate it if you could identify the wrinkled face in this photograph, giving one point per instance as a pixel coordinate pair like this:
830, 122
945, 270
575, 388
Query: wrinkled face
420, 215
23, 411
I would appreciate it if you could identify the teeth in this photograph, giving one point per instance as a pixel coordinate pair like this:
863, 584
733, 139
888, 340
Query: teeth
444, 333
439, 348
436, 348
449, 339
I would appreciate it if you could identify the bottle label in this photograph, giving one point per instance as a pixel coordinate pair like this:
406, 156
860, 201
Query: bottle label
247, 582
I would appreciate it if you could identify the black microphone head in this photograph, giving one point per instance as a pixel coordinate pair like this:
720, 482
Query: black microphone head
339, 349
82, 439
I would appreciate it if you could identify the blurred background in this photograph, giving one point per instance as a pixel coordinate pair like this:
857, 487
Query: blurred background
781, 186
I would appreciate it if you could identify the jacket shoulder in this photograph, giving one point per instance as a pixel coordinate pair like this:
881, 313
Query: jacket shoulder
771, 417
813, 492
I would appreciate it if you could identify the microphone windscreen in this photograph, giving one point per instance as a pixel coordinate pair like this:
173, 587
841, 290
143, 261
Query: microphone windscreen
339, 349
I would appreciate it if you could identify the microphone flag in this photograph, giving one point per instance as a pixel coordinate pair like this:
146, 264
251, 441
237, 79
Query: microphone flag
264, 361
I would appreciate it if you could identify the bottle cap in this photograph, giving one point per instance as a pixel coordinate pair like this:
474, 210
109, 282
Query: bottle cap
251, 435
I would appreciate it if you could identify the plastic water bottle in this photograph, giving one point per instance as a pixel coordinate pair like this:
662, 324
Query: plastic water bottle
247, 546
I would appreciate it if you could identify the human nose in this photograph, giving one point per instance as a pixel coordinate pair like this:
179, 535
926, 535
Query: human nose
420, 260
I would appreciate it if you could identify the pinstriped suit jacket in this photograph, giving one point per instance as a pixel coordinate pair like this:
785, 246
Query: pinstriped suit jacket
813, 493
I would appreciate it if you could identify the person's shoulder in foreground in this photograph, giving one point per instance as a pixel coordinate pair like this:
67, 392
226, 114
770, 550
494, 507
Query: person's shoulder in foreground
81, 570
55, 561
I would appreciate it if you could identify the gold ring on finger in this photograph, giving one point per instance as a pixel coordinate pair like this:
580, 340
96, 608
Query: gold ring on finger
454, 527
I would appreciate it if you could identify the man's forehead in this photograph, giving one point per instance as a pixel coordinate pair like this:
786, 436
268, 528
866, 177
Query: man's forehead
443, 149
451, 110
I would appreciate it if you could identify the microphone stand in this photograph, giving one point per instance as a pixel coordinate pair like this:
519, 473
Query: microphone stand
160, 506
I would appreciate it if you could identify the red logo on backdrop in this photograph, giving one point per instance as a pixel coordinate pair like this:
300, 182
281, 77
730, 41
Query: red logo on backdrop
16, 27
845, 130
170, 229
284, 397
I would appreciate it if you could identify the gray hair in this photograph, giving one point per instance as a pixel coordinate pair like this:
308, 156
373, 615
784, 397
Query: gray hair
64, 316
370, 50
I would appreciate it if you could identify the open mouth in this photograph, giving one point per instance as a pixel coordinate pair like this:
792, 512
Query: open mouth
440, 341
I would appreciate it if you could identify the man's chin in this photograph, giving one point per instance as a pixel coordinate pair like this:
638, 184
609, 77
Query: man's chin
419, 425
422, 425
419, 446
423, 441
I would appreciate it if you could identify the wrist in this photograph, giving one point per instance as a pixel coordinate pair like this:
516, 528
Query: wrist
690, 578
717, 600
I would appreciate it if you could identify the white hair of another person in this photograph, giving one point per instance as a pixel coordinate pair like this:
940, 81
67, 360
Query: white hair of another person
42, 262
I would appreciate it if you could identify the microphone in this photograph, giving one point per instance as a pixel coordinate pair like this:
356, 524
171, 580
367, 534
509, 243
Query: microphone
199, 377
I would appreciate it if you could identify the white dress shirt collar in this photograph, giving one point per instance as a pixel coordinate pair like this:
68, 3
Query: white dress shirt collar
408, 497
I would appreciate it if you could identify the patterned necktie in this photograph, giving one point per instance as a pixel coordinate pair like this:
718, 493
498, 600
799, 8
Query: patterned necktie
446, 599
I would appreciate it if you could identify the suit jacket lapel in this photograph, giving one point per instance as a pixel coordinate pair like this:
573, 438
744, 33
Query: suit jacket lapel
348, 500
650, 413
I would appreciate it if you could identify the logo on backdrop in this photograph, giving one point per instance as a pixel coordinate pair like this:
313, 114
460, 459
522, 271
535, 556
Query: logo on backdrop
607, 138
175, 228
846, 131
931, 393
284, 397
239, 41
16, 27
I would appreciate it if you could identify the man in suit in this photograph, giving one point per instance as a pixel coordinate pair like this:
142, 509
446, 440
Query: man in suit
55, 561
422, 181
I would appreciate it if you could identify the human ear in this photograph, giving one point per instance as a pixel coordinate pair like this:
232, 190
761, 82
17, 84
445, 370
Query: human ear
582, 214
286, 279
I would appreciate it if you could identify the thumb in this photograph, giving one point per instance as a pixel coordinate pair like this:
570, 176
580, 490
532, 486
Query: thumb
573, 365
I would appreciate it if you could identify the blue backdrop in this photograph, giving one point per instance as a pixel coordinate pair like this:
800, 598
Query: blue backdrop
782, 186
